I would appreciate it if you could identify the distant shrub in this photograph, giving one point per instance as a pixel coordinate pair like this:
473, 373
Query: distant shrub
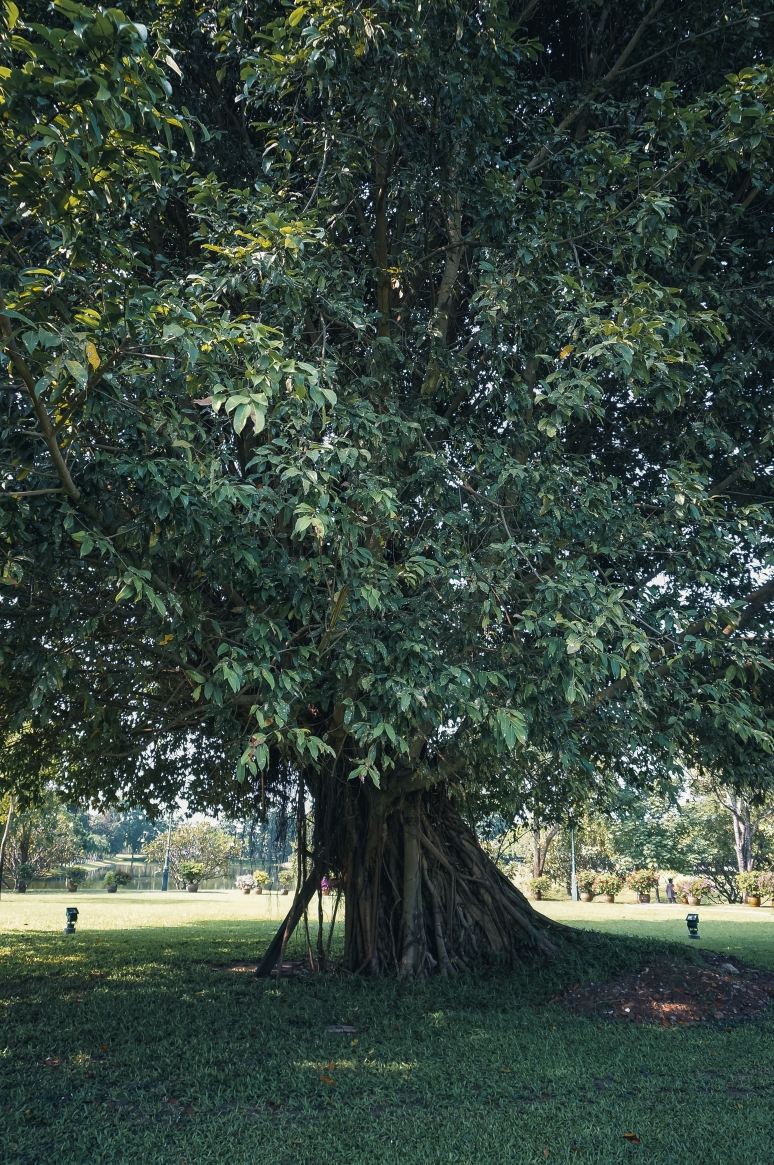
642, 881
749, 884
585, 881
608, 884
192, 872
540, 886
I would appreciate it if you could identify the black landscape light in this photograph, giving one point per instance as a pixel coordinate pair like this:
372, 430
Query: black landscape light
72, 918
693, 925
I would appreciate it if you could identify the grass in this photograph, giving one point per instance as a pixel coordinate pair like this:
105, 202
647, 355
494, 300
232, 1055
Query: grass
741, 931
164, 1061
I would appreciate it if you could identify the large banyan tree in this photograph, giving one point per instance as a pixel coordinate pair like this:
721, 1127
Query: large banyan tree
386, 417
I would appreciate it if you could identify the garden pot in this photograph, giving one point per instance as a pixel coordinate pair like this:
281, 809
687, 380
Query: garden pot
72, 889
284, 891
258, 889
21, 888
753, 901
684, 901
643, 897
586, 897
192, 887
692, 901
609, 897
537, 896
245, 889
326, 892
112, 889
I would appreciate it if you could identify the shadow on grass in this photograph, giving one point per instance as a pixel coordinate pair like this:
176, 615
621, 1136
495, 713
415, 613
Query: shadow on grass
126, 1047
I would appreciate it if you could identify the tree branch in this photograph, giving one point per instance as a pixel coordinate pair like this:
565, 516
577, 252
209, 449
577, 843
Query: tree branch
565, 124
47, 429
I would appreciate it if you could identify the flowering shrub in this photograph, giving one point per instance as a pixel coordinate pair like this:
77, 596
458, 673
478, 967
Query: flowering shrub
695, 888
245, 882
75, 875
642, 881
585, 881
262, 878
608, 884
192, 872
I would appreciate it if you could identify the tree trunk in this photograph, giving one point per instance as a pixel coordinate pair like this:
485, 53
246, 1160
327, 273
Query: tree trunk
421, 896
540, 848
3, 843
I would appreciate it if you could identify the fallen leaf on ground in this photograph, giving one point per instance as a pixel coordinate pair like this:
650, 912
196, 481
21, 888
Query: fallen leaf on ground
330, 1064
327, 1080
51, 1062
632, 1138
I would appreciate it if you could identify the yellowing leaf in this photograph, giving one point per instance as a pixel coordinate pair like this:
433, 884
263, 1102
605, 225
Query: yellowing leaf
295, 16
92, 355
566, 350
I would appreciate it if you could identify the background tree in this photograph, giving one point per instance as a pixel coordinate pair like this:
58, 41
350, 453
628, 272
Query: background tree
42, 837
432, 425
137, 829
741, 781
200, 843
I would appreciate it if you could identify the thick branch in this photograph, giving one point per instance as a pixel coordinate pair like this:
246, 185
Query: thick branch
565, 124
47, 429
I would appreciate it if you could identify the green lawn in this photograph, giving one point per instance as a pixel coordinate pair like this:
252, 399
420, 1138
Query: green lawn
157, 1059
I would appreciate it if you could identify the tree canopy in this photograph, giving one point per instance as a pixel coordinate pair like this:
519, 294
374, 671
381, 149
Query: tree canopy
388, 392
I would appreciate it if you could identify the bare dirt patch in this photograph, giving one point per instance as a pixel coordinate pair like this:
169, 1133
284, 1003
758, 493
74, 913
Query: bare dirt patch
670, 993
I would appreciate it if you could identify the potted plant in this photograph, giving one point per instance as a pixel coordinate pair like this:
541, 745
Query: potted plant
584, 880
539, 887
749, 884
262, 881
23, 875
681, 892
245, 883
75, 876
115, 878
766, 885
697, 888
286, 880
642, 882
192, 874
608, 885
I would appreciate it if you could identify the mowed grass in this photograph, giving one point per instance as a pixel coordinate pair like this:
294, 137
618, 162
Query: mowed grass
744, 932
123, 1045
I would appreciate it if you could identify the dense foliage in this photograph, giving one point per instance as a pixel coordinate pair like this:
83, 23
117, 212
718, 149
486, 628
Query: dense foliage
388, 396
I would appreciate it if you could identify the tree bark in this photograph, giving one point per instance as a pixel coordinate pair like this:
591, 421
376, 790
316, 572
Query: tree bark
421, 896
3, 843
540, 848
